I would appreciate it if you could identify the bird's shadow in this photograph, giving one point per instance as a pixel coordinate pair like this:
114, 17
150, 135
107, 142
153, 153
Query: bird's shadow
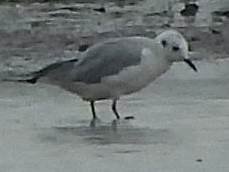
115, 132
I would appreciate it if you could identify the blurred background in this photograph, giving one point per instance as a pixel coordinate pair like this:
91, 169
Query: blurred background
36, 33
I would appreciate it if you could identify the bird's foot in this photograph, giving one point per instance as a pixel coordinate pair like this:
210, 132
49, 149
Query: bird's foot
94, 122
114, 124
129, 117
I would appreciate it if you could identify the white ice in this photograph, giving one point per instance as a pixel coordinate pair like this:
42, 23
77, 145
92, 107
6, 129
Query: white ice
181, 125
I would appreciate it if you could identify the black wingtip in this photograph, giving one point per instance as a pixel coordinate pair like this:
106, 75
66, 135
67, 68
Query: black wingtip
31, 81
35, 76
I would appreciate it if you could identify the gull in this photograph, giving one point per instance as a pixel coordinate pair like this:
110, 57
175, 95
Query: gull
117, 67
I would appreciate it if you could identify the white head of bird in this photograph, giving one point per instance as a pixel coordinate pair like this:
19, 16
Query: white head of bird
174, 47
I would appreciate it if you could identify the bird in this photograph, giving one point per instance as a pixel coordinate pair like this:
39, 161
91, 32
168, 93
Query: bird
117, 67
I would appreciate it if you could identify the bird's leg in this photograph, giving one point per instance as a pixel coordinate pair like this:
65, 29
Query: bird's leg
92, 103
94, 117
114, 103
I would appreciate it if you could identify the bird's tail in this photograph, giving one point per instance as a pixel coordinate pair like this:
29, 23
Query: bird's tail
32, 80
26, 78
33, 77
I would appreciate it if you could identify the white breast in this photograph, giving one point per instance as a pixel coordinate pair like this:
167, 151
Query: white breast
127, 81
134, 78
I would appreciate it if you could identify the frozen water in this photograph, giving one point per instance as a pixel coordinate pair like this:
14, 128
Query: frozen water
181, 125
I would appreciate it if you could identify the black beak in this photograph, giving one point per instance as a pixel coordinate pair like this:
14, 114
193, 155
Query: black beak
189, 62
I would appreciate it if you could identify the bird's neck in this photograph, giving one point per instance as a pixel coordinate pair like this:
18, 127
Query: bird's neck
155, 64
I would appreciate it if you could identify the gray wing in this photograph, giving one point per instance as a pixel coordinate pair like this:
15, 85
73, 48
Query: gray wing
107, 59
56, 72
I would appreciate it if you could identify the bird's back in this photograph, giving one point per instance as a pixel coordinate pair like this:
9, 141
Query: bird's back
109, 58
101, 60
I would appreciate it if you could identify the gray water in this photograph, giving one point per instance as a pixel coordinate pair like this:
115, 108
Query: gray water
181, 119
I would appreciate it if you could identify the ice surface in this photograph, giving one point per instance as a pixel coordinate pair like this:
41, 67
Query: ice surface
181, 124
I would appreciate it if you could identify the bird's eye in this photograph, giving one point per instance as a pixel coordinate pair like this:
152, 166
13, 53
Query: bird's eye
164, 43
175, 48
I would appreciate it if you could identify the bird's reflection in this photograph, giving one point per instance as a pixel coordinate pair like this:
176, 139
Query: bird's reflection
94, 122
114, 132
114, 124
